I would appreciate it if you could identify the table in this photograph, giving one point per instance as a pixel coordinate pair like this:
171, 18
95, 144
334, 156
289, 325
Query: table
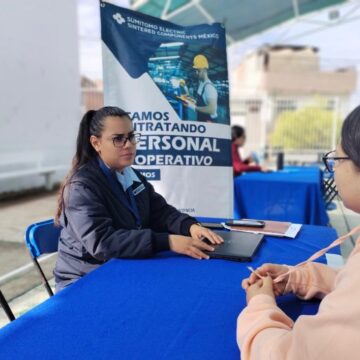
293, 194
168, 307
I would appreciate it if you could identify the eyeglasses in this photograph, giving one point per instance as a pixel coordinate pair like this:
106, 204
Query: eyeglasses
120, 140
329, 161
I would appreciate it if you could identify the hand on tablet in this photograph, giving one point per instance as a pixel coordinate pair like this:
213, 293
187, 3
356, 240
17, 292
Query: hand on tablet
188, 246
199, 232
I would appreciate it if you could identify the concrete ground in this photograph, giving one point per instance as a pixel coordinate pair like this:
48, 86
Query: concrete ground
24, 292
16, 215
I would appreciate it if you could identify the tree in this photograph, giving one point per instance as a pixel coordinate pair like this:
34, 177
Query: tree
310, 127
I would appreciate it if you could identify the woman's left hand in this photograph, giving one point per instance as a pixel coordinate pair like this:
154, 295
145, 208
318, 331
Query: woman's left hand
199, 232
262, 286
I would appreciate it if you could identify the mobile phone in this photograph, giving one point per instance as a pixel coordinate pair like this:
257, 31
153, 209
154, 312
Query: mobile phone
214, 226
246, 222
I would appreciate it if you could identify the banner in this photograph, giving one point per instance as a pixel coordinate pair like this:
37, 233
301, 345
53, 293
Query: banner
173, 82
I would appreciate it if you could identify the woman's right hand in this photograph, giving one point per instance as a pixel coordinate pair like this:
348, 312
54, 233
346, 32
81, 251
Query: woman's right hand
188, 246
272, 270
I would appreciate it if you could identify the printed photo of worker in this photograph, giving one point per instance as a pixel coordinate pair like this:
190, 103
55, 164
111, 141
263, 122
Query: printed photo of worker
194, 80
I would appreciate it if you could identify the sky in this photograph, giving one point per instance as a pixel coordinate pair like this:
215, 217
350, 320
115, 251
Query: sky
89, 33
339, 44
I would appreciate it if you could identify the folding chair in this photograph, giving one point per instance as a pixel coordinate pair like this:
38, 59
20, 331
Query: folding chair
42, 238
6, 307
330, 191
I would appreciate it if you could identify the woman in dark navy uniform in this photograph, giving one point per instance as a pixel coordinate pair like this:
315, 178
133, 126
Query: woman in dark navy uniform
108, 210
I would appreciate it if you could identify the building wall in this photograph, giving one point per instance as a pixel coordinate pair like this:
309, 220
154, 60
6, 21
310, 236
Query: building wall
289, 60
291, 72
306, 83
40, 85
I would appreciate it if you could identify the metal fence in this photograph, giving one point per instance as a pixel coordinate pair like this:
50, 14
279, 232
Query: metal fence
302, 127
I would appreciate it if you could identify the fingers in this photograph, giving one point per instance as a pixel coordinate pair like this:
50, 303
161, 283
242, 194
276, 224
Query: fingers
215, 238
211, 236
253, 278
197, 253
266, 268
267, 283
195, 250
245, 284
263, 270
202, 245
252, 287
262, 286
189, 246
251, 291
260, 272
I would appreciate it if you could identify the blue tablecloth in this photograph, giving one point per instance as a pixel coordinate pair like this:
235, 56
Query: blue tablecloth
168, 307
293, 194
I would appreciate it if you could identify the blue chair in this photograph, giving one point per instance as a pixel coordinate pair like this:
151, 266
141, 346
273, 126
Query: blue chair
42, 238
6, 307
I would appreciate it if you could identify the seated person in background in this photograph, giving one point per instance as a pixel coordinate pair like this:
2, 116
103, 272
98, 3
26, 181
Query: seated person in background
109, 210
264, 331
238, 138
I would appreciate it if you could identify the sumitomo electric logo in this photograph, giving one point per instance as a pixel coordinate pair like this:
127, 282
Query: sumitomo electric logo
118, 18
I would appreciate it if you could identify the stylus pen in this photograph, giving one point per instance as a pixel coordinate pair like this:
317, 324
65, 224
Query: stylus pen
255, 272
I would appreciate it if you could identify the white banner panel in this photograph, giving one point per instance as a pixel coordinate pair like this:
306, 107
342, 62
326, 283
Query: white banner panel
173, 81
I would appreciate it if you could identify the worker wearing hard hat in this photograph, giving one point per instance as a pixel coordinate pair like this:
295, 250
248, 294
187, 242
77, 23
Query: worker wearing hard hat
206, 96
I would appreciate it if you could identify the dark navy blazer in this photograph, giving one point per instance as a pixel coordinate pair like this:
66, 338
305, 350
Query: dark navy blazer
98, 224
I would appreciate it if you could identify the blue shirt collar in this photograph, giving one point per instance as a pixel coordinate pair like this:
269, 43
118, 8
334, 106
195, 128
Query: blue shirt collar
127, 177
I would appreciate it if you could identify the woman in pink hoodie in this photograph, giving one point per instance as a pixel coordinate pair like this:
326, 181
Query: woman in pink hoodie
264, 331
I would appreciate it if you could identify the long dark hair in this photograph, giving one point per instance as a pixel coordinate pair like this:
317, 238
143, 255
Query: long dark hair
350, 136
92, 123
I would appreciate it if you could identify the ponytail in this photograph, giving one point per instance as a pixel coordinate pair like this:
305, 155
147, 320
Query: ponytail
84, 152
84, 149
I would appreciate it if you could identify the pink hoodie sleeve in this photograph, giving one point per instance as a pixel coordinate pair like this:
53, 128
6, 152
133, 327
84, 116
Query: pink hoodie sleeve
311, 280
261, 316
265, 332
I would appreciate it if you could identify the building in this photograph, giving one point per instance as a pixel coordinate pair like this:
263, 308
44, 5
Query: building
92, 94
292, 70
281, 78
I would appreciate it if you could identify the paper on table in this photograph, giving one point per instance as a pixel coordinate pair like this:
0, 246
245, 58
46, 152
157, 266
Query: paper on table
292, 231
335, 261
272, 228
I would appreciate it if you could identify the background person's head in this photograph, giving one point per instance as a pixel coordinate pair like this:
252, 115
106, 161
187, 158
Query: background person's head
201, 66
238, 135
347, 172
103, 133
